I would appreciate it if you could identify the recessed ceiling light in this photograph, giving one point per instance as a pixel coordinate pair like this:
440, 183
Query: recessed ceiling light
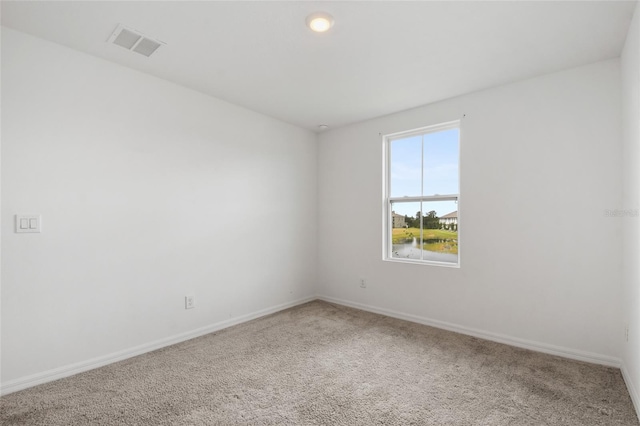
323, 127
319, 22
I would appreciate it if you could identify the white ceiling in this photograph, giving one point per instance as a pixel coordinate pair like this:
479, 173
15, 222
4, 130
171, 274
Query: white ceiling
380, 57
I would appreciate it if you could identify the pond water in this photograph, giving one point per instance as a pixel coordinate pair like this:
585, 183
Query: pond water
412, 250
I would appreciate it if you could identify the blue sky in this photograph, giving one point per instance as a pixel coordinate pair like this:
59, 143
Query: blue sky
425, 165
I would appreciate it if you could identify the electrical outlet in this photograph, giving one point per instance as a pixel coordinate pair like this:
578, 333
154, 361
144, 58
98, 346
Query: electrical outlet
626, 333
189, 301
363, 283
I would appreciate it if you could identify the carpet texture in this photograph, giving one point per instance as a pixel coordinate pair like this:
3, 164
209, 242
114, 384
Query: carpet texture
324, 364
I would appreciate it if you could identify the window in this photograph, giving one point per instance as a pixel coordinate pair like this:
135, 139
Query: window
422, 194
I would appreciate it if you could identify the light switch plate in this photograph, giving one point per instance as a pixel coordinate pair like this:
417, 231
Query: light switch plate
28, 223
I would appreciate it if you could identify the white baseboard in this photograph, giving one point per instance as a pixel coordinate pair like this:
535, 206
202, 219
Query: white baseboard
70, 370
495, 337
633, 392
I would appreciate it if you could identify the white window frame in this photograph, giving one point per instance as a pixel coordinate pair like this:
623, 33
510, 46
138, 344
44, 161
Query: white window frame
388, 200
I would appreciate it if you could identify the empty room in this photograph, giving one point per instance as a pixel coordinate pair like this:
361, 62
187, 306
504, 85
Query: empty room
320, 213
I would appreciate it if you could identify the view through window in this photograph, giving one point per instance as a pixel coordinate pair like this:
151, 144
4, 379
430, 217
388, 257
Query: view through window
422, 195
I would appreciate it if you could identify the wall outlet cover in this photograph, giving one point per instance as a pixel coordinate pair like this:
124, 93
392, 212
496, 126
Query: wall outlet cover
189, 301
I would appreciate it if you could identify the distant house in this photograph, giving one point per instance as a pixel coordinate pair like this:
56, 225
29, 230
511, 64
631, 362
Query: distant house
449, 219
398, 220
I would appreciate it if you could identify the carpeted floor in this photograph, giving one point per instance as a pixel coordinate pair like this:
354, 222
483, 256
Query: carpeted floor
324, 364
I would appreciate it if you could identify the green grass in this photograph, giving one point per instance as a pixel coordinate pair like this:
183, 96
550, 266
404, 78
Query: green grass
402, 235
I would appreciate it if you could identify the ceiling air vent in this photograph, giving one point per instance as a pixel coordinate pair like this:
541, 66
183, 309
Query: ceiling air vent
133, 40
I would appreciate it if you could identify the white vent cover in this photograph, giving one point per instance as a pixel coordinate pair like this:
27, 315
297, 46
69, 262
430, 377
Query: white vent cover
134, 40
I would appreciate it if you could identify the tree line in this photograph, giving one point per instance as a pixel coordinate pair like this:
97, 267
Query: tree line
429, 221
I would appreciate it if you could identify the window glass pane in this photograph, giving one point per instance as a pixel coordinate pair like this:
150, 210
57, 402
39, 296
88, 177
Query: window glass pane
425, 167
440, 231
405, 230
440, 174
405, 169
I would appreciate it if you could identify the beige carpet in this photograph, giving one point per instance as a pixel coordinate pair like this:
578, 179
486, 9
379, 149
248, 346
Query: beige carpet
323, 364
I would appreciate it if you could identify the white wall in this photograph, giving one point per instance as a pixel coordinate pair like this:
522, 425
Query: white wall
148, 191
541, 264
631, 201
